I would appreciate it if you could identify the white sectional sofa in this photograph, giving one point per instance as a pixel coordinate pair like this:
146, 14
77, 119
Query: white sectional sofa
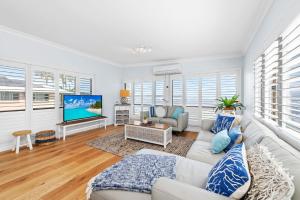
192, 171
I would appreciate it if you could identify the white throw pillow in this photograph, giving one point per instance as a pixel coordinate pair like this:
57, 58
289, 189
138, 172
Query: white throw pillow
269, 179
160, 111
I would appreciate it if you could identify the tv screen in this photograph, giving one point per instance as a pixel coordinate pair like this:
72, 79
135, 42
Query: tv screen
78, 107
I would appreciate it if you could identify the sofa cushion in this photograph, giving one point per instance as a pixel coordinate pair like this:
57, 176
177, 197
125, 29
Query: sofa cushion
187, 170
245, 121
236, 137
171, 110
255, 132
230, 176
289, 157
220, 141
222, 122
205, 136
201, 151
170, 121
161, 111
177, 112
154, 119
118, 194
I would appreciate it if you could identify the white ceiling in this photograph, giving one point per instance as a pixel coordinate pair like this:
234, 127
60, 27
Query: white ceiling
108, 29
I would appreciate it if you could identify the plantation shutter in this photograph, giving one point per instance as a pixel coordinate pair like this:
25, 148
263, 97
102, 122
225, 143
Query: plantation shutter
177, 92
259, 86
43, 90
228, 85
192, 92
12, 88
67, 85
85, 86
271, 82
209, 96
147, 95
192, 100
137, 98
290, 67
159, 92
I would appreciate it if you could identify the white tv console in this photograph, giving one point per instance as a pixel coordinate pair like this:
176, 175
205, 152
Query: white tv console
62, 127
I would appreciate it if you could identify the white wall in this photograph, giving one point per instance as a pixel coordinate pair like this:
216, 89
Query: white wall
280, 15
191, 66
23, 48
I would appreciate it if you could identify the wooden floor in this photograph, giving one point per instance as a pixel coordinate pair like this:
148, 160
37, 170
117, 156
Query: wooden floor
57, 171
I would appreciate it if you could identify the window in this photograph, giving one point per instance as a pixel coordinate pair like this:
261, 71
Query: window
129, 88
43, 90
12, 88
209, 96
143, 96
137, 98
85, 85
67, 85
192, 92
159, 92
277, 80
177, 92
147, 95
228, 85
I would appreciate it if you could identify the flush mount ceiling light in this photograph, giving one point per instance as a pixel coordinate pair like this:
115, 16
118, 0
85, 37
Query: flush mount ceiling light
141, 50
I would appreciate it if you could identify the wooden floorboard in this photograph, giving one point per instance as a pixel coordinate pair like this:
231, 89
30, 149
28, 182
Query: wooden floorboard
57, 171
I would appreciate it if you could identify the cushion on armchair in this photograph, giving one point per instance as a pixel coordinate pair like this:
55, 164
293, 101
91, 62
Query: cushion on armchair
177, 112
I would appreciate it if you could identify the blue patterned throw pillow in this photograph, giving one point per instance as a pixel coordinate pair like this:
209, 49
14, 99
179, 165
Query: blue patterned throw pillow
236, 137
230, 176
220, 141
222, 122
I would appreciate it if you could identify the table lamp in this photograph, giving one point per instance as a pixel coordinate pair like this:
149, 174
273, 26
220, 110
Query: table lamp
124, 94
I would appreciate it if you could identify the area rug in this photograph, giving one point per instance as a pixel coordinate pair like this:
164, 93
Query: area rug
116, 144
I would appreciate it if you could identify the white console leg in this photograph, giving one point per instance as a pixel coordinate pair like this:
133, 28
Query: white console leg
64, 133
105, 124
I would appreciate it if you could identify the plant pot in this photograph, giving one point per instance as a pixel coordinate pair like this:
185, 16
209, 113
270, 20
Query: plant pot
229, 108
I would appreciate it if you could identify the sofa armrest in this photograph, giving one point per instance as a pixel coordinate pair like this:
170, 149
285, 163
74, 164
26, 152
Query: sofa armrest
182, 121
168, 189
207, 124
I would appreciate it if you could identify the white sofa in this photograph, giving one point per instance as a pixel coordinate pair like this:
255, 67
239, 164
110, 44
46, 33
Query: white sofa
191, 172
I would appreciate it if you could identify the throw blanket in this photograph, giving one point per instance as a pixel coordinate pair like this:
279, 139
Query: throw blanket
136, 173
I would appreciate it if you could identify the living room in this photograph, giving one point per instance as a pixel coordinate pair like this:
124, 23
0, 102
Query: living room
95, 94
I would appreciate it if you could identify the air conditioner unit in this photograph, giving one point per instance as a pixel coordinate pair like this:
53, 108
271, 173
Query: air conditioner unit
167, 69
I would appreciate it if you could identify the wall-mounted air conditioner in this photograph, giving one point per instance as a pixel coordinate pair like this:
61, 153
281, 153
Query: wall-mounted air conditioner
167, 69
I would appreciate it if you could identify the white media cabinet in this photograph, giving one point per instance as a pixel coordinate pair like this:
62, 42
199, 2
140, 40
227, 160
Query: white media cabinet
62, 127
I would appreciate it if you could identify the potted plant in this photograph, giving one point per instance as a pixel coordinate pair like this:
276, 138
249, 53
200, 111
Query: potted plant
229, 104
145, 120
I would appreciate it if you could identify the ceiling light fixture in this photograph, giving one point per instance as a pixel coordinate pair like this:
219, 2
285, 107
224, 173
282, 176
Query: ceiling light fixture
141, 50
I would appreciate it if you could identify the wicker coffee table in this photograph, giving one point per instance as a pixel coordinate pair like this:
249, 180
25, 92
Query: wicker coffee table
157, 134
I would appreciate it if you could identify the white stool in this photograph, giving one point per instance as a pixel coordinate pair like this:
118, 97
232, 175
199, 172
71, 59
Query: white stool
18, 135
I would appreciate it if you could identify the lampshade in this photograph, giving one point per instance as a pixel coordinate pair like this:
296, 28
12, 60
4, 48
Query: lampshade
124, 93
